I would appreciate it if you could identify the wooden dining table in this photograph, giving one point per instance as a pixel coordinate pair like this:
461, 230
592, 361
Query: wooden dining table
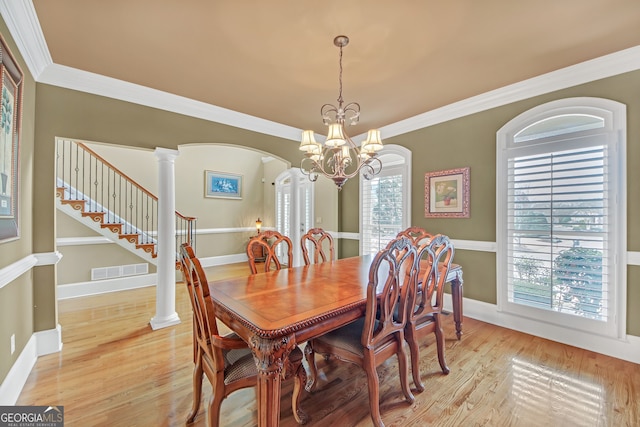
278, 310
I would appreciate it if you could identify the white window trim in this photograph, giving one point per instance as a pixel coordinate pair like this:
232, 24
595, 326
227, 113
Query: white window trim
615, 124
406, 180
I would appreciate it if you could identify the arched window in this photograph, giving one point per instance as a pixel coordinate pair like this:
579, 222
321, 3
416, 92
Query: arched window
561, 215
385, 200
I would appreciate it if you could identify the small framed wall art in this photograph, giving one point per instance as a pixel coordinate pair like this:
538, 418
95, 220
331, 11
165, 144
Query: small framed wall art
446, 193
222, 185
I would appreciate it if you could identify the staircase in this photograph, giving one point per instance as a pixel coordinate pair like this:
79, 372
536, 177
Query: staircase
96, 193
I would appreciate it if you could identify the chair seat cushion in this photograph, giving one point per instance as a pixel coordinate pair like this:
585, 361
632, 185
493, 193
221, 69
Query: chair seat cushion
348, 337
242, 368
233, 355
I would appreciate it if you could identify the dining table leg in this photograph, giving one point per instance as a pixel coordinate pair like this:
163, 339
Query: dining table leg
270, 356
456, 296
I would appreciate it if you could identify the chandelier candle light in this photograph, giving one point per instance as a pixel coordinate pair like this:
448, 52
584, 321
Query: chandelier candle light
340, 158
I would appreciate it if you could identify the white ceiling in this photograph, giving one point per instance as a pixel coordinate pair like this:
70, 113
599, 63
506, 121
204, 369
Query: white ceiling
275, 60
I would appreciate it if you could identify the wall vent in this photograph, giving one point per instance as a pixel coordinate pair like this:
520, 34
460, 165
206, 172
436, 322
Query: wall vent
113, 272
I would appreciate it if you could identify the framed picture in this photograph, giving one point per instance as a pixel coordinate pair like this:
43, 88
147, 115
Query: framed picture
222, 185
446, 194
10, 123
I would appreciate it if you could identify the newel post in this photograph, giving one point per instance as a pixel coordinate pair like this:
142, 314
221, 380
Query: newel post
166, 283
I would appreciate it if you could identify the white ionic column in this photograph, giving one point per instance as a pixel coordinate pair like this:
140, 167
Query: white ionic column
166, 284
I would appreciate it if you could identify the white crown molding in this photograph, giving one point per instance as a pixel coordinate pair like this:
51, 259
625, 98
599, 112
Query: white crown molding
71, 78
24, 26
595, 69
22, 20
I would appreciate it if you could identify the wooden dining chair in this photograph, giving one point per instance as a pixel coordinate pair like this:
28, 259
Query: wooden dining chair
274, 247
226, 360
435, 258
416, 234
379, 335
321, 242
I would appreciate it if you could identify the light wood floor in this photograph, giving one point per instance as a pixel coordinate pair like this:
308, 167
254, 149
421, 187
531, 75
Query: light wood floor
115, 371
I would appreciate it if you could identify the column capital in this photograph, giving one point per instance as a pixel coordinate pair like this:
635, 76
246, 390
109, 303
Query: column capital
166, 153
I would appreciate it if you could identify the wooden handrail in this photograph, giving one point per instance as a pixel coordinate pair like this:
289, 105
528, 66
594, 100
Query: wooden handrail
134, 219
128, 178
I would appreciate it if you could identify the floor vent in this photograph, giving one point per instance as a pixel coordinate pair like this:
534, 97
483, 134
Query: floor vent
103, 273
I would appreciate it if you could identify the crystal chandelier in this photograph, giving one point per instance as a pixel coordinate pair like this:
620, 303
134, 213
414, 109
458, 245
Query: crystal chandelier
340, 158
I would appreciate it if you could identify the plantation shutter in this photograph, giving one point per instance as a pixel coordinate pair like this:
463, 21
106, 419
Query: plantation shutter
558, 218
283, 208
382, 209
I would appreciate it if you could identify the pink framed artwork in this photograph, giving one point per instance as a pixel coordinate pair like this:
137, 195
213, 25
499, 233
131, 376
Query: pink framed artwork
446, 193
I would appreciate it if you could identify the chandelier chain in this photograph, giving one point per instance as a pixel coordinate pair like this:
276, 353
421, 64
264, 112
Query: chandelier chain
340, 80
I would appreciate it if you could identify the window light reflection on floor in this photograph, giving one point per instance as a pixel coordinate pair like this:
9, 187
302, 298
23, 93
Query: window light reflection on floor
555, 395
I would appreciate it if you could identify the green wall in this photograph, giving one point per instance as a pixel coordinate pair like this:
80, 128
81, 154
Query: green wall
17, 297
471, 141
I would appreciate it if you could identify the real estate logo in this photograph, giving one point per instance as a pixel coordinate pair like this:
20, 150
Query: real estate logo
31, 416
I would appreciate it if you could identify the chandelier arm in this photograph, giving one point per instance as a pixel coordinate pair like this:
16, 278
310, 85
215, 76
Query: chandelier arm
317, 167
354, 110
353, 107
329, 113
368, 172
328, 108
375, 164
369, 167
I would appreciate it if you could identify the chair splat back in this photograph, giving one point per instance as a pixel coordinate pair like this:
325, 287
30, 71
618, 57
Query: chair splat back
391, 290
417, 235
273, 244
320, 241
439, 253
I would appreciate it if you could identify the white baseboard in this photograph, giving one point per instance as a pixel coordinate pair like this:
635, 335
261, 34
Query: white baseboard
40, 343
96, 287
626, 349
223, 259
49, 341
